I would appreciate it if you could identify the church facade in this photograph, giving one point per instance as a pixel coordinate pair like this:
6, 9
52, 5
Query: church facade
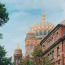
36, 33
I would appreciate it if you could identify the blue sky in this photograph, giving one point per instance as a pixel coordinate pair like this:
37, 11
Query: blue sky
25, 13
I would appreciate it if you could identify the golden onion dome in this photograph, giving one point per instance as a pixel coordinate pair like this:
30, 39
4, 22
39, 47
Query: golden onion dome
18, 50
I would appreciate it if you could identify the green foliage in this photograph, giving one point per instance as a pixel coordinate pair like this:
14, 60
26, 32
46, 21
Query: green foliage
3, 14
27, 61
37, 51
3, 59
2, 52
38, 58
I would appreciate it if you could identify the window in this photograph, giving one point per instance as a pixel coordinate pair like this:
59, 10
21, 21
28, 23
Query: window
51, 40
58, 51
52, 54
57, 36
49, 56
59, 62
45, 32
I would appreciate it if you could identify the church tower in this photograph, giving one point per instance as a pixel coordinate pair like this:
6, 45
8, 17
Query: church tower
17, 55
36, 33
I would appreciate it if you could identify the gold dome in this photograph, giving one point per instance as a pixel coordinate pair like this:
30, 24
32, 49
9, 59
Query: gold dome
41, 28
18, 50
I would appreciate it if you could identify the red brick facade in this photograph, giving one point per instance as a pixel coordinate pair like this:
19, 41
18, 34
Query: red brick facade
53, 45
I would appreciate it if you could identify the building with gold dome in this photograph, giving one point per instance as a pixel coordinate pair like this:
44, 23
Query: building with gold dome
17, 55
36, 33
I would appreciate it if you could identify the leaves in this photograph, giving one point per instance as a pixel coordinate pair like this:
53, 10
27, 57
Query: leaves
3, 59
38, 58
3, 14
2, 52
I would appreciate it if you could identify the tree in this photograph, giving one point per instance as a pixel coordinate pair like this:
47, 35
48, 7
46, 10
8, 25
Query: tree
3, 14
26, 61
3, 19
3, 59
36, 55
38, 58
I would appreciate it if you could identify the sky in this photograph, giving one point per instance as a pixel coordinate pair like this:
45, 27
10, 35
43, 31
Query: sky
25, 13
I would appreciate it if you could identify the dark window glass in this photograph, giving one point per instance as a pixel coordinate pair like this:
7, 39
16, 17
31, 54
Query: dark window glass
58, 51
52, 54
57, 35
59, 62
49, 56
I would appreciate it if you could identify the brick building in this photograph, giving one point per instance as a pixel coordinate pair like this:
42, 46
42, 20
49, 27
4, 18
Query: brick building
53, 45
